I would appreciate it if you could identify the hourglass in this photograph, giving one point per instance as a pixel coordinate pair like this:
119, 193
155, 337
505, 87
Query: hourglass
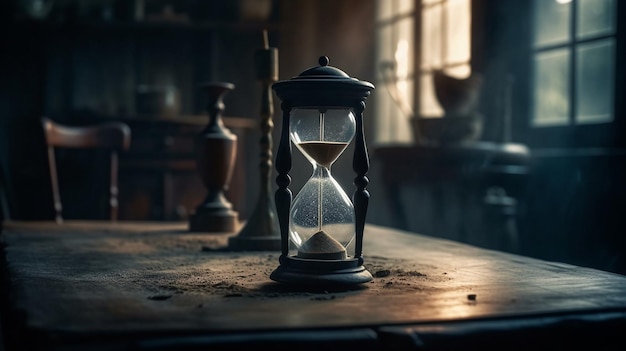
322, 114
322, 214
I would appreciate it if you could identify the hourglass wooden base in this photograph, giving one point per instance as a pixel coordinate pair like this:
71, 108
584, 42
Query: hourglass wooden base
335, 273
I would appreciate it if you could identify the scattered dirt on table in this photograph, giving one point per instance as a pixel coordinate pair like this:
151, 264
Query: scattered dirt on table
200, 264
246, 275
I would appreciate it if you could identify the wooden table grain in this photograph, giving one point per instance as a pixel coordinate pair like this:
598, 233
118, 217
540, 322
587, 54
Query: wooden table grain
146, 285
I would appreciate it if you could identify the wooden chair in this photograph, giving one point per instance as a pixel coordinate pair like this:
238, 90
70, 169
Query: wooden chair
114, 136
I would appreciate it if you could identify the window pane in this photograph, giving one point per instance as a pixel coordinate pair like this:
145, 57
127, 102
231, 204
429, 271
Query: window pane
595, 17
431, 37
405, 6
403, 77
594, 81
386, 44
458, 31
394, 57
384, 10
551, 88
404, 50
391, 125
552, 21
429, 106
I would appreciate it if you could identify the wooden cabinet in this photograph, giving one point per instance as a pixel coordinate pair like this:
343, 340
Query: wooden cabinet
81, 65
158, 176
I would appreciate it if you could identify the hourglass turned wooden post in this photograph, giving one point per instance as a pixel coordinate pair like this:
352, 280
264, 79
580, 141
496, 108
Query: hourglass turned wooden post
216, 149
261, 231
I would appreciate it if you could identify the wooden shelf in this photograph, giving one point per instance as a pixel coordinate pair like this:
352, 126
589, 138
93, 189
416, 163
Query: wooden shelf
192, 120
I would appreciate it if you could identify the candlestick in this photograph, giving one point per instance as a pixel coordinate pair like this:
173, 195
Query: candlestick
261, 231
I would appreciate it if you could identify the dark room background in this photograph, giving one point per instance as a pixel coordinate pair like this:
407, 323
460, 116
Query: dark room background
83, 62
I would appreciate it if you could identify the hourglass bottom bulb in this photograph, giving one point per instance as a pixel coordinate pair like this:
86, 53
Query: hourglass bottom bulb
322, 246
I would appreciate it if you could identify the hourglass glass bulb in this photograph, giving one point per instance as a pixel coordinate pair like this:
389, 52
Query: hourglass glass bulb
322, 134
322, 215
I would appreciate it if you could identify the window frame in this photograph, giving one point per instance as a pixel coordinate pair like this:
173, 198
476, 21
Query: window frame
572, 135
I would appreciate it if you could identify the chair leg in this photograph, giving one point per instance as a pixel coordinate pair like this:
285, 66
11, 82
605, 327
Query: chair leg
56, 196
113, 190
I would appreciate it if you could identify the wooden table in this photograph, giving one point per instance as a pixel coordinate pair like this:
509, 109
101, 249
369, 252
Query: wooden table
156, 286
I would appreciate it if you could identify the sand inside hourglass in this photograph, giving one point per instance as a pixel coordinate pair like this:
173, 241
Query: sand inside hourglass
323, 152
322, 246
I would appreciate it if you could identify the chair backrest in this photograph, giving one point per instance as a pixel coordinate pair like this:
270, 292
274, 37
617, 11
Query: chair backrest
113, 136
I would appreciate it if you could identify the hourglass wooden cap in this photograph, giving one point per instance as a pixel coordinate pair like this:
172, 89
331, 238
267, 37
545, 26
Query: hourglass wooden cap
323, 85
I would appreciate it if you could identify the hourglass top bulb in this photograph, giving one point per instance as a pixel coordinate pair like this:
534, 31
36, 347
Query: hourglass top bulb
323, 152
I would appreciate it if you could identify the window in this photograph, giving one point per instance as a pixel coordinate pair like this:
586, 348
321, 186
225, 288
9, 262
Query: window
572, 62
445, 45
414, 39
395, 60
